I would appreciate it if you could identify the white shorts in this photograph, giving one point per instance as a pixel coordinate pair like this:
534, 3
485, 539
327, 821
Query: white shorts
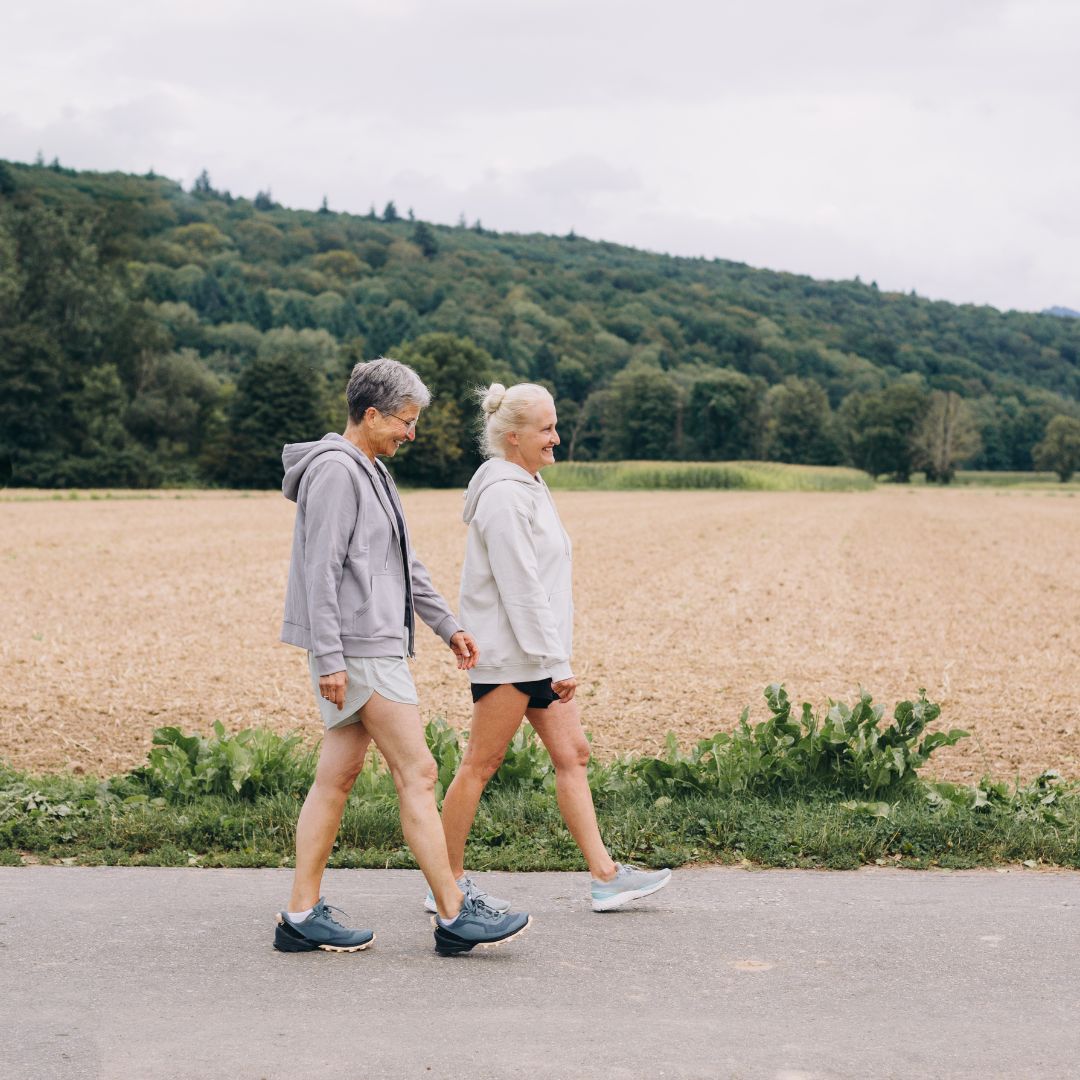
388, 675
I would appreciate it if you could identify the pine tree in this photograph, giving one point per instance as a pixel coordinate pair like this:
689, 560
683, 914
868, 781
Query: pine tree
424, 238
445, 450
277, 401
262, 314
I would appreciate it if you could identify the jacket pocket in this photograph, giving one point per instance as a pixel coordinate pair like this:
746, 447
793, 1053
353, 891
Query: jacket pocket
365, 606
356, 597
355, 591
385, 613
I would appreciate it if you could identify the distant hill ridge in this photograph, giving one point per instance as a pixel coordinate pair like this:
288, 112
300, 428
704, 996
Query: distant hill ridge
1062, 312
726, 312
217, 282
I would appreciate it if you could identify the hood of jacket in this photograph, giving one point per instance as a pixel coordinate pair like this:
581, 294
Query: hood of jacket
495, 471
297, 457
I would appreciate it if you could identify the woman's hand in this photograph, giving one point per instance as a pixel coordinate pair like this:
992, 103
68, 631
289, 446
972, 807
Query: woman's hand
565, 689
465, 649
332, 687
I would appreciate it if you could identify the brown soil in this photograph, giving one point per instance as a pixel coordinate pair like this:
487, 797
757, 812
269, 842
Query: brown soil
121, 616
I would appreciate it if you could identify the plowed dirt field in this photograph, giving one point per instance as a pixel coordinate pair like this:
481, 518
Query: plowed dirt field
123, 615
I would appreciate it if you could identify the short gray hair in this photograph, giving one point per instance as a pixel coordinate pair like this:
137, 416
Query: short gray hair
386, 385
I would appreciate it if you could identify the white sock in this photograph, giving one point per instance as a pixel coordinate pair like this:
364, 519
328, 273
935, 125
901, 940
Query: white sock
446, 922
298, 916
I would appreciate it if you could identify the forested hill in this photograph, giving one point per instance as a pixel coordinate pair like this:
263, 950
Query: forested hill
151, 335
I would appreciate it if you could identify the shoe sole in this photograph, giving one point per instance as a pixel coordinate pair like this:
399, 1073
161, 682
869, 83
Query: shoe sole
457, 946
611, 903
285, 941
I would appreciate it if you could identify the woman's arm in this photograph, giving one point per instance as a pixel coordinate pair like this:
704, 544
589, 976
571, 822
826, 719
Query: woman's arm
429, 602
435, 611
330, 510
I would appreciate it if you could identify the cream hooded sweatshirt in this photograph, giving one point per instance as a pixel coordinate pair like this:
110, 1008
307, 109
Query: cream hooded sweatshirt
516, 597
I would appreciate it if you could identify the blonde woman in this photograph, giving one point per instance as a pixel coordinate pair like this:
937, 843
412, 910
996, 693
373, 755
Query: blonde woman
516, 599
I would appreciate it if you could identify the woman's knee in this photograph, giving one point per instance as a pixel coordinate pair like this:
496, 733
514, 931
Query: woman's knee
574, 754
338, 778
417, 776
483, 766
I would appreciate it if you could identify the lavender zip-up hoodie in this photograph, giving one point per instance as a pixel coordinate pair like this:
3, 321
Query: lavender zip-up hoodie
347, 586
516, 595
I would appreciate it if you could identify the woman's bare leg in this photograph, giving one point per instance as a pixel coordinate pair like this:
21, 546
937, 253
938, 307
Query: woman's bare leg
559, 728
341, 758
496, 716
399, 735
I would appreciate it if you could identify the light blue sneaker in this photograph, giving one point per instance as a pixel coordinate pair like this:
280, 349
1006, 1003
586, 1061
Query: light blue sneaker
628, 884
470, 888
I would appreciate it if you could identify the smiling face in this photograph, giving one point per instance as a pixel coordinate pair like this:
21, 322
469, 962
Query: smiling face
385, 432
532, 446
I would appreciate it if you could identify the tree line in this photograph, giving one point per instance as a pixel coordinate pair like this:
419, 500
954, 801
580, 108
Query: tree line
154, 336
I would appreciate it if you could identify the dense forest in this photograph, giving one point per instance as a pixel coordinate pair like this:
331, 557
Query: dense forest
151, 335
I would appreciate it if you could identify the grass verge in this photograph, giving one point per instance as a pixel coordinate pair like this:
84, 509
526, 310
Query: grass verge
520, 829
836, 789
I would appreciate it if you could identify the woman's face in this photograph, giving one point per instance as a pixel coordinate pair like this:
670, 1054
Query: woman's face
533, 445
388, 431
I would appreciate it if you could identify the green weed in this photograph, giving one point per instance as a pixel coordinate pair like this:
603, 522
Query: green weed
248, 764
845, 751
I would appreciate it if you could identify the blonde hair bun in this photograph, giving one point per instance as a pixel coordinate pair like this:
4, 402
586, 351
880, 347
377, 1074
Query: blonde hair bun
493, 398
505, 411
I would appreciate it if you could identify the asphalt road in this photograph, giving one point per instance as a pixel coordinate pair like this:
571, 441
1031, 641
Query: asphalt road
118, 973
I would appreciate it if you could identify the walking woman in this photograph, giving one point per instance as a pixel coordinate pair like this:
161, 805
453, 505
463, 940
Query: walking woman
354, 585
516, 599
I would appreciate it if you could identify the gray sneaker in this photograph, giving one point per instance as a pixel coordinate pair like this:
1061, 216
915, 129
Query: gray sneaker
628, 884
320, 930
476, 924
469, 888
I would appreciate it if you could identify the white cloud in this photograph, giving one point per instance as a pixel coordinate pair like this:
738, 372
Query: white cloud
926, 145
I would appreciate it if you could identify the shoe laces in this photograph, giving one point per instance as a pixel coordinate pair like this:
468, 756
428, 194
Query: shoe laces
477, 906
474, 890
327, 917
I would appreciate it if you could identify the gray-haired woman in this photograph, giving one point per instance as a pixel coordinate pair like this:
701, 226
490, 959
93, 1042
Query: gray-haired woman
354, 585
516, 596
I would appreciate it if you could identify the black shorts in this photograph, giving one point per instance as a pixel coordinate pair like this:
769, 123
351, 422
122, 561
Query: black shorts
540, 693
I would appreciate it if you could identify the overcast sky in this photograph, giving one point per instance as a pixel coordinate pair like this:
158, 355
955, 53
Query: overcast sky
929, 145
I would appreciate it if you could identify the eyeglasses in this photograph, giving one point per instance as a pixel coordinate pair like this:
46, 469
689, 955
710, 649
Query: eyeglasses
410, 425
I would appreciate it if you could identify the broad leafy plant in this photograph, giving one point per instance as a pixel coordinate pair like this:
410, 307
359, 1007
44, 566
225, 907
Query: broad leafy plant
846, 750
250, 763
